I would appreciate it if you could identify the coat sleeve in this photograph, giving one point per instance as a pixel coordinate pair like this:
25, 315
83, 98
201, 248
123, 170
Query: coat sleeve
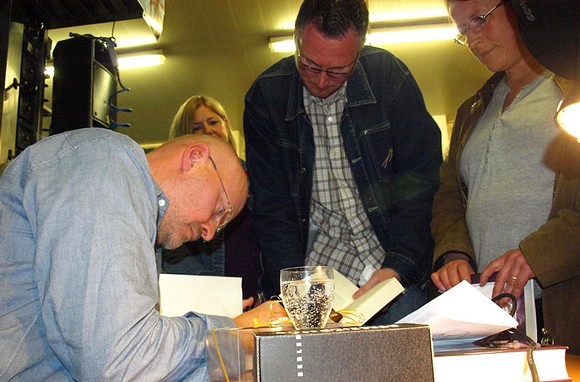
448, 225
553, 251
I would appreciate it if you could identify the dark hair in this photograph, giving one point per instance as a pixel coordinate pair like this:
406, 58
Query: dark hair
333, 18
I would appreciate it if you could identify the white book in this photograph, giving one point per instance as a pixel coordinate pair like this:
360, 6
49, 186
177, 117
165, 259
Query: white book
475, 364
369, 303
214, 295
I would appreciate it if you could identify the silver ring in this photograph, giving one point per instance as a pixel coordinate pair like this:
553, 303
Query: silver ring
514, 278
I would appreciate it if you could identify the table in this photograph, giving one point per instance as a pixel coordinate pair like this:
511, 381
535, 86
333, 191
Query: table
573, 366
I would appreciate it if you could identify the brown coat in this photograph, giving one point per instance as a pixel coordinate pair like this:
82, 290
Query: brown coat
553, 251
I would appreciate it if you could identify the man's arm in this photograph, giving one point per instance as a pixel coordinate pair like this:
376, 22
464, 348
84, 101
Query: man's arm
448, 226
96, 272
552, 251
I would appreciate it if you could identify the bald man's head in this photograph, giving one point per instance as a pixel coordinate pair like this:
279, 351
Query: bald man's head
184, 169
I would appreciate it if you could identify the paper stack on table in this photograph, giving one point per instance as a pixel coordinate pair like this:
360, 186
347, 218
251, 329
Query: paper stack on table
463, 314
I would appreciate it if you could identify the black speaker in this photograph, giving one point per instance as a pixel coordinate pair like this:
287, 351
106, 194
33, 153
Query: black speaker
35, 44
84, 85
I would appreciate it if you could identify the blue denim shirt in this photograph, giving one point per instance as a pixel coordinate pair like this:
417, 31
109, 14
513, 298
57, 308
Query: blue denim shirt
392, 144
79, 213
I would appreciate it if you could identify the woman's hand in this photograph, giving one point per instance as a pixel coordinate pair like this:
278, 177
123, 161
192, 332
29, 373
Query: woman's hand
513, 272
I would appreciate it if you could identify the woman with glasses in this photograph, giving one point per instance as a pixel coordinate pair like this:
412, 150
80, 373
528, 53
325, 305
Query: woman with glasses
233, 251
494, 212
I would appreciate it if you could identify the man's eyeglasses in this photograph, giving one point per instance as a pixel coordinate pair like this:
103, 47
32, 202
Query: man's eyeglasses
339, 73
224, 215
476, 24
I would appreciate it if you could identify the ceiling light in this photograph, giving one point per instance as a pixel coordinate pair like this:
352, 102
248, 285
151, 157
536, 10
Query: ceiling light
140, 59
408, 34
126, 43
128, 61
410, 15
383, 36
282, 44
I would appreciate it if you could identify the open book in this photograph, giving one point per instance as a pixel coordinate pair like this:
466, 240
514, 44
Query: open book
526, 305
462, 314
369, 303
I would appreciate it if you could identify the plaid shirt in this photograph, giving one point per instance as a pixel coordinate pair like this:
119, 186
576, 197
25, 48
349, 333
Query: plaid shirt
345, 238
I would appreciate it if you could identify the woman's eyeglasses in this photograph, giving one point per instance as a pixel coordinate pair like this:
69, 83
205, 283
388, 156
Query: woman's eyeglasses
475, 24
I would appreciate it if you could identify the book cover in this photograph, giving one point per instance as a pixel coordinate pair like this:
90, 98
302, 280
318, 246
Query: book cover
367, 305
461, 362
215, 295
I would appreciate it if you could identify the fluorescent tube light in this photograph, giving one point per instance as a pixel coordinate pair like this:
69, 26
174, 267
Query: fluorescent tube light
408, 34
383, 36
128, 61
140, 59
282, 44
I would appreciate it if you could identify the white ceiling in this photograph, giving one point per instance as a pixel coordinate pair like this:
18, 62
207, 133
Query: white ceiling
218, 47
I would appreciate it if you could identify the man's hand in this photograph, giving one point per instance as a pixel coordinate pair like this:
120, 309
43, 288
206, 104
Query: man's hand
262, 314
377, 277
513, 272
451, 274
247, 303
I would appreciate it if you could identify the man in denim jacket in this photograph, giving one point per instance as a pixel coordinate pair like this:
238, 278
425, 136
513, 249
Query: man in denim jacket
340, 144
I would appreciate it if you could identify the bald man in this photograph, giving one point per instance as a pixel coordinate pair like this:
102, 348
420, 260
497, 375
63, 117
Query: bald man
82, 216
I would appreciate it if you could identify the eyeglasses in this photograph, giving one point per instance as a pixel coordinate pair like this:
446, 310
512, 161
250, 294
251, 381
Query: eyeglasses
476, 24
224, 215
313, 68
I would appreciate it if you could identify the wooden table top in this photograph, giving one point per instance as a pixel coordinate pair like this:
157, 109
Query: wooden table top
573, 366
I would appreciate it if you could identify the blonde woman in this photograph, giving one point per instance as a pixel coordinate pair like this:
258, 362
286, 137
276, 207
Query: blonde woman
233, 252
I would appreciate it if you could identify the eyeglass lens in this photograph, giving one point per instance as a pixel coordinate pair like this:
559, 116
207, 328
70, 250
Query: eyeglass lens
476, 24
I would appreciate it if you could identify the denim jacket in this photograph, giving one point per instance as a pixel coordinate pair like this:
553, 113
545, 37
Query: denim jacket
391, 142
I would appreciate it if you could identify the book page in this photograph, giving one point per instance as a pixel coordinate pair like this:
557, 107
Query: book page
369, 303
526, 307
461, 313
215, 295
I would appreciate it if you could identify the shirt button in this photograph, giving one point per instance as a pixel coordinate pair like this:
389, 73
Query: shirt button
161, 203
330, 119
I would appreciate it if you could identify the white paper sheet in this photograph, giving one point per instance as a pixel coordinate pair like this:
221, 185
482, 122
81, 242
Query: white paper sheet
461, 313
215, 295
526, 311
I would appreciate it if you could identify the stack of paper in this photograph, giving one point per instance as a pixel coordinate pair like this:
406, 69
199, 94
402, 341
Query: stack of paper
462, 313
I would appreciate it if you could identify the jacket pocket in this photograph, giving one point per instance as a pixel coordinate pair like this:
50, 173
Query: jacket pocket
377, 148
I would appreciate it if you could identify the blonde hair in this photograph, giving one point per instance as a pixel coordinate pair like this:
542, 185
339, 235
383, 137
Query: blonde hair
183, 119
